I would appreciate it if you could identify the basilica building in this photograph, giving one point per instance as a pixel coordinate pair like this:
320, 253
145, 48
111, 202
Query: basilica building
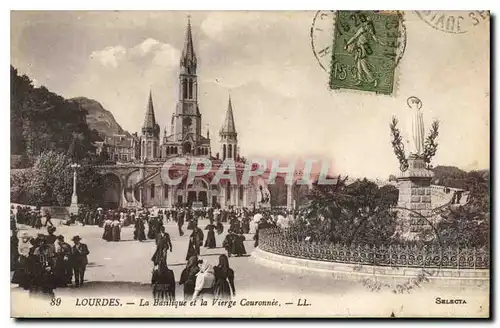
139, 182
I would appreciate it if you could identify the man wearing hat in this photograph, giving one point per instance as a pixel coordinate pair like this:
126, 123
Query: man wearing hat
43, 267
79, 258
51, 238
63, 269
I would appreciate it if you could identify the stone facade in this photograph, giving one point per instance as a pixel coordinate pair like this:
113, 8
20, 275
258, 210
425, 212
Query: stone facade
140, 183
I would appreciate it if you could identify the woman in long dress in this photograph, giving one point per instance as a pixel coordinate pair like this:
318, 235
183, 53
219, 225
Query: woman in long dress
139, 229
163, 279
210, 242
107, 234
152, 227
116, 230
21, 274
188, 277
204, 282
238, 245
195, 241
224, 280
228, 243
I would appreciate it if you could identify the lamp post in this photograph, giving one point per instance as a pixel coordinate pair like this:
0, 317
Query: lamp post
74, 196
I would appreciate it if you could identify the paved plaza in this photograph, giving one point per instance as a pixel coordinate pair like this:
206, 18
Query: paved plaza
123, 269
126, 264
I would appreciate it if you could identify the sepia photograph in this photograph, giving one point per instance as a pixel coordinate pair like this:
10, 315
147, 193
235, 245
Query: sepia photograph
250, 164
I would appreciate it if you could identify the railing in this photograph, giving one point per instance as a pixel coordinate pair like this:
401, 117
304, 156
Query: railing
283, 243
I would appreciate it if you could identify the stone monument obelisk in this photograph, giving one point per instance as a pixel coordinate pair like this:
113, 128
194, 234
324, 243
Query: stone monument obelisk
414, 183
73, 208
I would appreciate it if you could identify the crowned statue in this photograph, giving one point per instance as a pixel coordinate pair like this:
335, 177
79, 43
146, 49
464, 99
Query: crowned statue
417, 127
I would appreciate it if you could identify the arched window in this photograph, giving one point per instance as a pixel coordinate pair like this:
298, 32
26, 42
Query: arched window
190, 92
228, 191
223, 152
241, 192
152, 191
168, 150
184, 89
165, 191
230, 152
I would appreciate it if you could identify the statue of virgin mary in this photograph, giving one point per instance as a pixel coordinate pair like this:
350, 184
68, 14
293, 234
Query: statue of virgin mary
417, 127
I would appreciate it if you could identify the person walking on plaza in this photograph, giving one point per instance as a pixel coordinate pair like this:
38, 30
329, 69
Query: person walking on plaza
25, 250
116, 229
195, 242
238, 245
51, 238
63, 268
99, 217
204, 282
180, 221
38, 219
210, 241
108, 234
224, 280
14, 250
163, 244
139, 229
163, 281
48, 219
188, 277
42, 269
229, 243
79, 259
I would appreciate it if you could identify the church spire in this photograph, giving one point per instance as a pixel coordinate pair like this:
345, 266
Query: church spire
188, 58
149, 120
229, 127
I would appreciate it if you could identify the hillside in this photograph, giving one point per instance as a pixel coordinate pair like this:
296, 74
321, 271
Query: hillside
41, 120
454, 177
99, 118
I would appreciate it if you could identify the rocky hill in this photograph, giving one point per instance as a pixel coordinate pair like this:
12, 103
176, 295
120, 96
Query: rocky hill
99, 118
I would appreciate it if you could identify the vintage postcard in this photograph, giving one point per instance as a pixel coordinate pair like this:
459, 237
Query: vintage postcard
252, 164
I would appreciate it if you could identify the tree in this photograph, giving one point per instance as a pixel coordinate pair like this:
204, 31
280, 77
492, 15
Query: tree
19, 186
42, 120
52, 181
355, 213
469, 224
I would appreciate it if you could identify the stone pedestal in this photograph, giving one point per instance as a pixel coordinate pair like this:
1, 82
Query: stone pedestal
73, 208
415, 194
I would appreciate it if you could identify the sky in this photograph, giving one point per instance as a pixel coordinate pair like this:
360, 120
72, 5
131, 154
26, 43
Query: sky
282, 105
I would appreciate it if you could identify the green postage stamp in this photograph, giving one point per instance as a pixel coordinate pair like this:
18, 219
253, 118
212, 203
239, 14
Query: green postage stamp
367, 47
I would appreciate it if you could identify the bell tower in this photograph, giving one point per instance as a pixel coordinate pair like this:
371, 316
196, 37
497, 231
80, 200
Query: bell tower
228, 135
187, 117
185, 128
150, 135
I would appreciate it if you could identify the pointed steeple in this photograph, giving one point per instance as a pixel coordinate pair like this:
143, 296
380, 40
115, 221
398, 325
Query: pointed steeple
188, 58
229, 127
149, 120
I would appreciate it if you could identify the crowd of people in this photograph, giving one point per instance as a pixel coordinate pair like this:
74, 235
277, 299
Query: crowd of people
46, 261
199, 278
